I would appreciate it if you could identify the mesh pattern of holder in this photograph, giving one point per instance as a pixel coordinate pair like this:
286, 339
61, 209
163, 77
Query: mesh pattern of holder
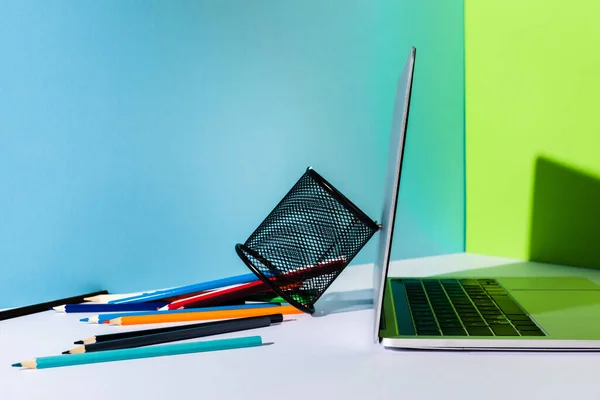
306, 241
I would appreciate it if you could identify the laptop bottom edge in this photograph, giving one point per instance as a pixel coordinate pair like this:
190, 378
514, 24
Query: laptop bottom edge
489, 345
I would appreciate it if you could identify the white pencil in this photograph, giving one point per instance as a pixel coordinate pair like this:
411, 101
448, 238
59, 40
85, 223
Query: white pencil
105, 298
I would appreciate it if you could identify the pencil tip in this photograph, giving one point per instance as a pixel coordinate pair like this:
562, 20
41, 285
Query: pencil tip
165, 308
268, 343
78, 342
19, 365
66, 352
84, 319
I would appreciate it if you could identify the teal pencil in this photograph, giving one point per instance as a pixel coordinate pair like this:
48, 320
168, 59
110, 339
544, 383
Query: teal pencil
139, 352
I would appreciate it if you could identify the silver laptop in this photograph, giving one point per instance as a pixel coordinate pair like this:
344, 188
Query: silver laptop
472, 312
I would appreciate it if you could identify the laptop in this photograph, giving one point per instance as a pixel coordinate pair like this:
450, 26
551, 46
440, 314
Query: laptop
469, 312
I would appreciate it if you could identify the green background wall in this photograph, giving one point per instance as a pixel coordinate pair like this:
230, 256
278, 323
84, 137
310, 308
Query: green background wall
533, 129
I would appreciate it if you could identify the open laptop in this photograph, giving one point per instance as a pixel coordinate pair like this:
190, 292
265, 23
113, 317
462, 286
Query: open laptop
473, 313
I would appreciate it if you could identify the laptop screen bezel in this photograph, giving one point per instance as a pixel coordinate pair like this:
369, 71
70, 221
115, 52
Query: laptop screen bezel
392, 184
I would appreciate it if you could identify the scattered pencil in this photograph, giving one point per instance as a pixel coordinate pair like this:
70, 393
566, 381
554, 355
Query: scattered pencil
102, 318
144, 332
105, 298
93, 307
206, 329
201, 316
35, 308
252, 288
139, 352
189, 289
217, 296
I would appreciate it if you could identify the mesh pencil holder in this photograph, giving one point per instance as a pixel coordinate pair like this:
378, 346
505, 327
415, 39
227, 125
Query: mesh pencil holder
306, 241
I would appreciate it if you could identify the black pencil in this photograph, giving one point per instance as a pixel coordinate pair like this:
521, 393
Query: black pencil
206, 329
36, 308
145, 332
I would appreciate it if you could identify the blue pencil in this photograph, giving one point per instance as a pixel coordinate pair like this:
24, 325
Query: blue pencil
96, 307
139, 352
183, 290
98, 319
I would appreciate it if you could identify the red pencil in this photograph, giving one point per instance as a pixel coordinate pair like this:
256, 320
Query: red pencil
218, 295
231, 293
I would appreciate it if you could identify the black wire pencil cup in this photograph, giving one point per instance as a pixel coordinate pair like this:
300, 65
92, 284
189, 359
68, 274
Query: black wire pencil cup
306, 241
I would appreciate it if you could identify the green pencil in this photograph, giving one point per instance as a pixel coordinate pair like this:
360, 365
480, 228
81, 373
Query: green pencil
139, 352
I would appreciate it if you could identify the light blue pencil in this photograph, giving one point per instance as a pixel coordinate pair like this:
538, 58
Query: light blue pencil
139, 352
100, 318
183, 290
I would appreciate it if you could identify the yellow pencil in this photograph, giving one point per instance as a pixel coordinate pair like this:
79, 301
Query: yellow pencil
202, 315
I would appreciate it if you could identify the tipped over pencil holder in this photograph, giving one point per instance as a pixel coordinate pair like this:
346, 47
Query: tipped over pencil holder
306, 241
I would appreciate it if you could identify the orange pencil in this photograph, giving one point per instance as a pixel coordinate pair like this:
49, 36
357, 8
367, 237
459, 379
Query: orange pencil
202, 315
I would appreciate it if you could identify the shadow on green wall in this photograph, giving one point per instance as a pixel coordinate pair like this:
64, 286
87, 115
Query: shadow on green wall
565, 217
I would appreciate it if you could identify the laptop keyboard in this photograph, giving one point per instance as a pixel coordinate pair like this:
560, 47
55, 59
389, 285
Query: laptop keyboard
462, 307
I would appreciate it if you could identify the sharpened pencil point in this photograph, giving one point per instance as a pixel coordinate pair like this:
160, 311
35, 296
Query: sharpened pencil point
18, 365
78, 342
165, 308
66, 352
84, 319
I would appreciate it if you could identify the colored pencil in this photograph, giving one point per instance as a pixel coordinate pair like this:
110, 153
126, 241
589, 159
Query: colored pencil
182, 290
292, 278
216, 296
222, 296
140, 352
35, 308
221, 327
93, 307
101, 318
144, 332
112, 298
105, 298
201, 316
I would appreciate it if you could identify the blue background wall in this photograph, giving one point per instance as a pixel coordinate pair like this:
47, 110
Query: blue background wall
139, 141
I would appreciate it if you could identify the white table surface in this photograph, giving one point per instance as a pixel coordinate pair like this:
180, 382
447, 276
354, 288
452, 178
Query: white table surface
327, 356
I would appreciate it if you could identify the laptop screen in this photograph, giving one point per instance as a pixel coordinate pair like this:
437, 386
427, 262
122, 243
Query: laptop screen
392, 184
